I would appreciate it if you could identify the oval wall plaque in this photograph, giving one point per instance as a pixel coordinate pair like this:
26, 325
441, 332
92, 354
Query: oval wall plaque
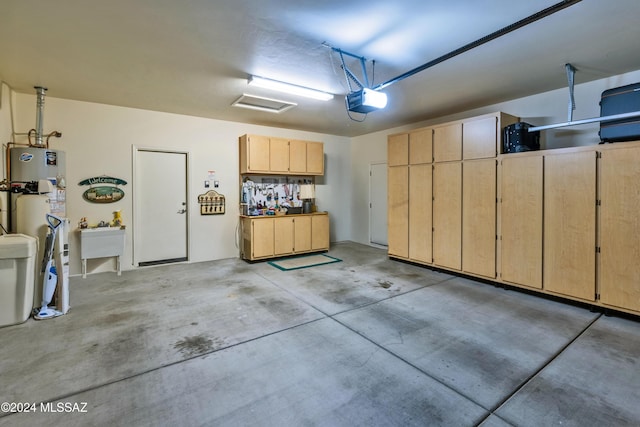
103, 194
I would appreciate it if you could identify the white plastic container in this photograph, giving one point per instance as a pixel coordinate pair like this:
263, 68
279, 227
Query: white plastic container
17, 266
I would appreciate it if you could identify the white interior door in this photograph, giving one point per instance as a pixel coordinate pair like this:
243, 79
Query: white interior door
161, 207
378, 204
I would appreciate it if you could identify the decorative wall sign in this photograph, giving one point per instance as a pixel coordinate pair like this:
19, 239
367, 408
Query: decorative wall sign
211, 203
105, 190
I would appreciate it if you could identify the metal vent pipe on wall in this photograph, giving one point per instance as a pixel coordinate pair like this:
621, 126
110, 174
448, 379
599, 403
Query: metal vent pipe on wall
40, 93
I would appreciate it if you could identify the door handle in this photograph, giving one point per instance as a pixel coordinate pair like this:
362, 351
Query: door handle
181, 211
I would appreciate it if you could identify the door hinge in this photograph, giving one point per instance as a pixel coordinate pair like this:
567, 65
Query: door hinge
597, 296
597, 249
598, 154
598, 202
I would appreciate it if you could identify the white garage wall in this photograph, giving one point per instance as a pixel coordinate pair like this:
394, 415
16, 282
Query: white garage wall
98, 140
545, 108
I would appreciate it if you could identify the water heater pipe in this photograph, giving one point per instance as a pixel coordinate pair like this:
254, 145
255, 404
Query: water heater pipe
40, 92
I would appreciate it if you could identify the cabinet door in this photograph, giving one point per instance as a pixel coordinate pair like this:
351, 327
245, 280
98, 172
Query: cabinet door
447, 143
398, 150
479, 217
521, 221
420, 225
278, 155
421, 146
315, 158
319, 232
257, 153
620, 228
569, 265
302, 233
282, 236
398, 211
480, 138
297, 156
447, 214
262, 237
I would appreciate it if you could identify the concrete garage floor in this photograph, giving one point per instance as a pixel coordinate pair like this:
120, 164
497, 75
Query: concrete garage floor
367, 341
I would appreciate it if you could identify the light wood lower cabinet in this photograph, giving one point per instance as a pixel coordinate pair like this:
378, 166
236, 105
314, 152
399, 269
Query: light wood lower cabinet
447, 215
302, 233
521, 221
569, 265
268, 237
620, 228
283, 236
259, 237
319, 233
479, 217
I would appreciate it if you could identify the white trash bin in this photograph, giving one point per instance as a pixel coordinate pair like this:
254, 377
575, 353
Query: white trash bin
17, 267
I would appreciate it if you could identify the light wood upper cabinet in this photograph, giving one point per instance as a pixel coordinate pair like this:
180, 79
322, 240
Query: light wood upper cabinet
266, 155
479, 217
521, 224
569, 266
398, 211
315, 158
447, 215
278, 155
421, 146
254, 153
297, 156
398, 149
447, 142
620, 228
480, 138
420, 212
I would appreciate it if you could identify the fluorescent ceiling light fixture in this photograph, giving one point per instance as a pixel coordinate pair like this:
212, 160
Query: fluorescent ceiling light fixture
366, 100
289, 88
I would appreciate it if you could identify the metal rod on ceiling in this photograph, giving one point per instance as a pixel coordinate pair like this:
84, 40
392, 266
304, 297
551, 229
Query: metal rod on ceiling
523, 22
586, 121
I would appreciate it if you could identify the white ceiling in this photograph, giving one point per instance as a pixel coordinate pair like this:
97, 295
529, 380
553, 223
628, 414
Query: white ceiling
193, 57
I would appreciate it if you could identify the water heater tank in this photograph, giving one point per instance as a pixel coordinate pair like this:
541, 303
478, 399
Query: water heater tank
35, 163
31, 209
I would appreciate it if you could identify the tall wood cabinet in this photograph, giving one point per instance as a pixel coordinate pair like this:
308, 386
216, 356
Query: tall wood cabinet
398, 210
520, 236
619, 243
409, 195
433, 174
447, 215
569, 265
479, 217
562, 222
